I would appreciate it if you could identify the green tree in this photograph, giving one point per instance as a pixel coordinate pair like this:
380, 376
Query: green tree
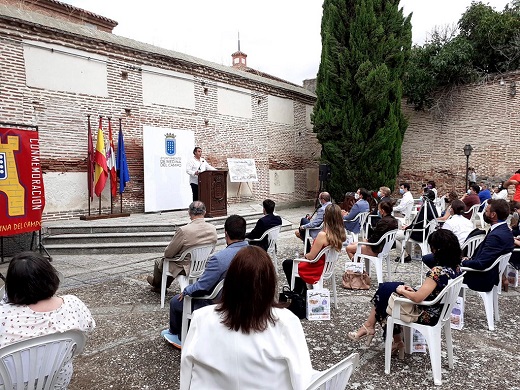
357, 116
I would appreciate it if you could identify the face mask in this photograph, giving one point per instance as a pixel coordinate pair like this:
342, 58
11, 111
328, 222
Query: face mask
379, 213
401, 191
356, 196
469, 192
515, 215
379, 194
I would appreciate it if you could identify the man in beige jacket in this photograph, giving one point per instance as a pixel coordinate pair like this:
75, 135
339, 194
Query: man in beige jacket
197, 232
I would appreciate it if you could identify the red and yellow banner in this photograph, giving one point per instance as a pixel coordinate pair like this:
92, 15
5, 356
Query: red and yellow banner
22, 197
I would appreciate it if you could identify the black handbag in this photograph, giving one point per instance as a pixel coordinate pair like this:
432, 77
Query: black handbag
297, 302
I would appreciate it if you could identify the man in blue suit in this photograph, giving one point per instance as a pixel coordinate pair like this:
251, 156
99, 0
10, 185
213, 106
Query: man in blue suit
215, 271
324, 200
498, 241
268, 221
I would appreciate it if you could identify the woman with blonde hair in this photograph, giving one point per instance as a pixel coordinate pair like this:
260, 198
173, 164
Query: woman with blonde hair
333, 234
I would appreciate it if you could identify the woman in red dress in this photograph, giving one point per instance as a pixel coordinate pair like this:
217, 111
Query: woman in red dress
333, 234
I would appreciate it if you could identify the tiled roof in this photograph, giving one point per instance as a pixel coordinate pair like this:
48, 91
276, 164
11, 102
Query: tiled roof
13, 13
71, 8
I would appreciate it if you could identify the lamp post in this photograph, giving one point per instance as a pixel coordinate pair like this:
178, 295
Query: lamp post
467, 153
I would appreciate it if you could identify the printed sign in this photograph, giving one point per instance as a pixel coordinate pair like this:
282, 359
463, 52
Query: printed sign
21, 183
242, 170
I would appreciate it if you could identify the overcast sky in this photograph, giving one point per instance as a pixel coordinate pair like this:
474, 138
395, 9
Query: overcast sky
280, 37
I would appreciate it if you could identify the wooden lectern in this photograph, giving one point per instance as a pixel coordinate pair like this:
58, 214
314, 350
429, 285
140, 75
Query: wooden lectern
213, 192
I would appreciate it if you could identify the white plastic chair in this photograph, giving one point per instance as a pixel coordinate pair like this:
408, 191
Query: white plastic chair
423, 244
187, 310
337, 376
199, 256
432, 334
388, 238
490, 298
331, 255
473, 213
362, 219
36, 363
308, 237
272, 236
478, 217
472, 243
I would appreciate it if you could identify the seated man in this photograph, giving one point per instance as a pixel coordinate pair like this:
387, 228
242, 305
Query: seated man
268, 221
471, 198
197, 232
360, 206
406, 205
324, 200
498, 241
216, 269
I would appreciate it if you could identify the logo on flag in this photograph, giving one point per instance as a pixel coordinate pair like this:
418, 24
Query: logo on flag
169, 144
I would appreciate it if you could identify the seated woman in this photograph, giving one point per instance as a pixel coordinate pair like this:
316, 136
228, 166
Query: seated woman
333, 233
448, 199
385, 224
500, 192
361, 206
31, 283
248, 341
446, 250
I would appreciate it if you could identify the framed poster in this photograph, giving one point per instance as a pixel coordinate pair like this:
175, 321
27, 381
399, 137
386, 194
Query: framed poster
242, 170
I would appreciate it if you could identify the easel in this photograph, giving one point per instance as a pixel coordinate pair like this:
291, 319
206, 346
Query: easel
240, 186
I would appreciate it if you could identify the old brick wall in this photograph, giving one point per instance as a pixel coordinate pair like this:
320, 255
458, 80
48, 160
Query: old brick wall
62, 117
484, 115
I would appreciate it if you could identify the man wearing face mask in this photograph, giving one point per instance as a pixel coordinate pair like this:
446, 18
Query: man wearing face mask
360, 206
498, 241
471, 198
406, 205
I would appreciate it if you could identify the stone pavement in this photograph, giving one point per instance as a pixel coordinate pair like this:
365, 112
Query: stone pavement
126, 351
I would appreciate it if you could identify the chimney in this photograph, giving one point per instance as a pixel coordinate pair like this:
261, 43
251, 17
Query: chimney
238, 57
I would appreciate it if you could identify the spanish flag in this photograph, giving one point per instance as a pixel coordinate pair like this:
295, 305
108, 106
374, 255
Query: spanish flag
100, 161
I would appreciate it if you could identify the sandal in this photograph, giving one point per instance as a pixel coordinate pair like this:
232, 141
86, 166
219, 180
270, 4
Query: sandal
369, 334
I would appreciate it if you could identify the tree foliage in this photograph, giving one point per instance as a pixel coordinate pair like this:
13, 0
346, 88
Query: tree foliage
357, 116
487, 42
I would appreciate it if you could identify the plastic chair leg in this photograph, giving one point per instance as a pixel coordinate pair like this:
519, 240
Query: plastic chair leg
388, 343
449, 343
433, 339
388, 269
487, 298
163, 283
495, 303
334, 291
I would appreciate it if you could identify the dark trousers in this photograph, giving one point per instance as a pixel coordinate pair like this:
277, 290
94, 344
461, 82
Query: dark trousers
195, 191
429, 261
176, 308
300, 286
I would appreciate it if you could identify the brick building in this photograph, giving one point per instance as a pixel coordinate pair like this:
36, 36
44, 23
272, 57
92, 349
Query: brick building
60, 63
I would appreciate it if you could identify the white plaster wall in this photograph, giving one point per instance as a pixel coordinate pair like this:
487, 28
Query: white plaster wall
59, 68
234, 101
281, 181
280, 110
308, 112
65, 191
168, 88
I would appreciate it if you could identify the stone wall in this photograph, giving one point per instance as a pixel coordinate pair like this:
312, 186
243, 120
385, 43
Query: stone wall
485, 115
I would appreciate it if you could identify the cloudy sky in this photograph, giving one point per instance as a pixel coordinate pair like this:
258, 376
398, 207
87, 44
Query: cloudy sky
280, 37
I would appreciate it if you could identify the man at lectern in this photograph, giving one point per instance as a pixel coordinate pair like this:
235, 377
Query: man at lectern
196, 165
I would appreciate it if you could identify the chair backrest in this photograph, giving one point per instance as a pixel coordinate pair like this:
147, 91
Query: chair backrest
337, 376
473, 210
449, 297
362, 222
35, 363
472, 243
272, 237
331, 256
388, 238
199, 257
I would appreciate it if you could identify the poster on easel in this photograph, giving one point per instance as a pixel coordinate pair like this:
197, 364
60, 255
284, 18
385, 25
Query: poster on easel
22, 196
242, 170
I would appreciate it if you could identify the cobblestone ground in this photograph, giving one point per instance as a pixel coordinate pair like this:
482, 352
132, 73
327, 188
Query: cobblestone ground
126, 352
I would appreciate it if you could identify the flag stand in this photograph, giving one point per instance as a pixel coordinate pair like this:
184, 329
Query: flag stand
100, 215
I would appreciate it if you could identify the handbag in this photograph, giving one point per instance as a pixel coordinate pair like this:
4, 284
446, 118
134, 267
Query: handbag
297, 302
409, 312
355, 280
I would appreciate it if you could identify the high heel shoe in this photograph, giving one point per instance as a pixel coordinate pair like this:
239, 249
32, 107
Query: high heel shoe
369, 335
399, 348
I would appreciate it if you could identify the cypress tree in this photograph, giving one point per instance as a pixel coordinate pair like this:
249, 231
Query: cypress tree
357, 116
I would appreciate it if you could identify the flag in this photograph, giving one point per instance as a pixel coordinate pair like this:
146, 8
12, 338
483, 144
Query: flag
90, 163
111, 161
122, 166
100, 160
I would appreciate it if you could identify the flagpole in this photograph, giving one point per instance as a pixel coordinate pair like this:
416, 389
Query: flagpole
110, 173
120, 193
89, 163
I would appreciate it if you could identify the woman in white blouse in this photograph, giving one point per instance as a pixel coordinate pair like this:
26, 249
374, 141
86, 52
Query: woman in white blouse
248, 341
30, 307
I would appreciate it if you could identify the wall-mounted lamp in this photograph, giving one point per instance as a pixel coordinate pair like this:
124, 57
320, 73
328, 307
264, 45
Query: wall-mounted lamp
512, 89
